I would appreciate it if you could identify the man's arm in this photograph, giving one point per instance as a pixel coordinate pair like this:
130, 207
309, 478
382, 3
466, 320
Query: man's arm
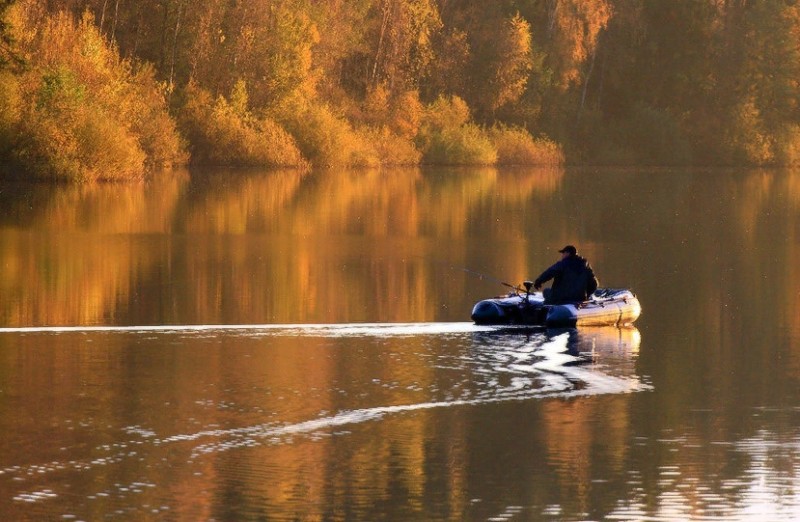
547, 275
591, 283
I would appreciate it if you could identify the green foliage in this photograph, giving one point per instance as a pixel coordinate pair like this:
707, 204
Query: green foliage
465, 145
446, 112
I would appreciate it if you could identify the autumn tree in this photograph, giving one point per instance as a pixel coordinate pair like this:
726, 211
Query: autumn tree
758, 66
507, 66
8, 56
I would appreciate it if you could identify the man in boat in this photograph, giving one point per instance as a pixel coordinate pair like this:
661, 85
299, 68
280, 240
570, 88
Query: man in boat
573, 279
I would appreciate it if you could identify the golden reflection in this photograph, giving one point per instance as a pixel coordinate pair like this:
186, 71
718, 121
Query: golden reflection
227, 201
360, 246
577, 432
385, 245
753, 197
75, 263
519, 184
265, 247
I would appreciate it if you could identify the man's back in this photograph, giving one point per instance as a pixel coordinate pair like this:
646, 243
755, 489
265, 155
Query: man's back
573, 280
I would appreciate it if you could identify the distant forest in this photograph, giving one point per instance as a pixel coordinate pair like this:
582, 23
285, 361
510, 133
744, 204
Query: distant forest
107, 89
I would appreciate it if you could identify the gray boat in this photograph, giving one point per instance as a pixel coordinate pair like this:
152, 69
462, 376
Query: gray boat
605, 307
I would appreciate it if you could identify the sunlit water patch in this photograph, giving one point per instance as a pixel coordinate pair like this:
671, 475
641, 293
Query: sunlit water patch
756, 477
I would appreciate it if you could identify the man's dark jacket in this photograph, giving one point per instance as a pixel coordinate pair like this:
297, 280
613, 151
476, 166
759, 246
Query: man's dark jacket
573, 280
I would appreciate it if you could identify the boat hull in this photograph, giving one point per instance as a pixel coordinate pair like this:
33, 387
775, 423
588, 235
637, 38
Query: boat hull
608, 307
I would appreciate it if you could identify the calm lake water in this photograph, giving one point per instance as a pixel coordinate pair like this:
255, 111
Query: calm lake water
285, 346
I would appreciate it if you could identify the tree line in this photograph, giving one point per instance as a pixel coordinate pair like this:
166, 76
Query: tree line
110, 88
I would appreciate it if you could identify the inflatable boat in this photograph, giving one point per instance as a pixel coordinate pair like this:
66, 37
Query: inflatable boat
606, 307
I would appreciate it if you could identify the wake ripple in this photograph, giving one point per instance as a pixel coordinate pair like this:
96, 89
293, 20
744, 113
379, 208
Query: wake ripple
541, 368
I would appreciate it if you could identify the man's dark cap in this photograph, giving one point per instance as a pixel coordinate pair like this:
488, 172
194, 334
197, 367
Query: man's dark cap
569, 249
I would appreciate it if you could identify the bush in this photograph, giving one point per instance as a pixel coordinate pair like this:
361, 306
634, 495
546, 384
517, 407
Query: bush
328, 140
81, 112
150, 120
389, 125
226, 135
406, 115
446, 112
465, 145
516, 147
60, 136
446, 138
392, 149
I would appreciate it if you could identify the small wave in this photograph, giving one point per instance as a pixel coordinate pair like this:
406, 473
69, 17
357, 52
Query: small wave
506, 369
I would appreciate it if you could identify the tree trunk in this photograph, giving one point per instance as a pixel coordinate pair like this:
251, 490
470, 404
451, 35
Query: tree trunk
387, 10
114, 24
552, 11
588, 77
175, 46
103, 16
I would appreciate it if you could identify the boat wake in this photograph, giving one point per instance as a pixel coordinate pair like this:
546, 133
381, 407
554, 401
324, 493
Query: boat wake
307, 330
502, 367
540, 368
488, 365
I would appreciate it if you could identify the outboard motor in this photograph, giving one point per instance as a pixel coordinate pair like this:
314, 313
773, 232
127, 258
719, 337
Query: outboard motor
527, 285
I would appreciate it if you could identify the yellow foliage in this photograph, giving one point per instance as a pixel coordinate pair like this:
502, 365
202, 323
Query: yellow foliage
84, 145
84, 114
392, 149
512, 70
151, 122
223, 135
750, 143
446, 112
107, 150
447, 138
516, 147
239, 98
575, 27
407, 114
327, 139
376, 105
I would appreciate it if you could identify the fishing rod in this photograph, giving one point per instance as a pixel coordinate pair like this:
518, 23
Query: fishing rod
485, 276
479, 275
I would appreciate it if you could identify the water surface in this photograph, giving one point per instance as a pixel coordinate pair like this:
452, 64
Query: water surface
284, 346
